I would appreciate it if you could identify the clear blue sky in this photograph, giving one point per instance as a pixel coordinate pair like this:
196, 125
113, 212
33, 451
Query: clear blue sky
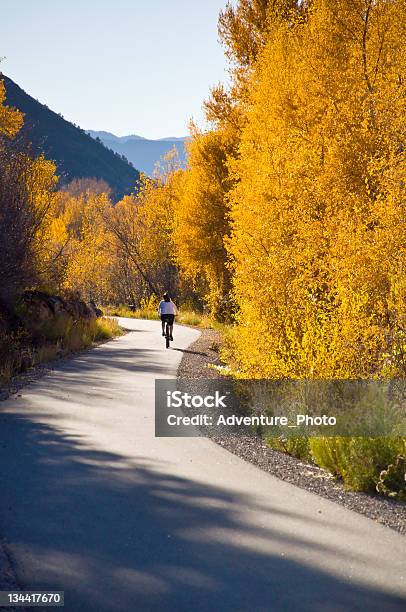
125, 66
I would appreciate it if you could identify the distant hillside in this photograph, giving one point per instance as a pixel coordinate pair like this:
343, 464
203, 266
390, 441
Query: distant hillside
75, 152
143, 153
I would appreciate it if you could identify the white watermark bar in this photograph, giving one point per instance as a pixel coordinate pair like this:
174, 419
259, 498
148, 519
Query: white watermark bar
280, 408
26, 599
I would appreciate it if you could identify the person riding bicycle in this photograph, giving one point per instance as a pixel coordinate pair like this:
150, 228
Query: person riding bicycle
167, 311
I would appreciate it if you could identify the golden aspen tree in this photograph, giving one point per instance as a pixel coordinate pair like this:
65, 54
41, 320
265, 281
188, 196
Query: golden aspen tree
316, 214
200, 218
41, 184
88, 254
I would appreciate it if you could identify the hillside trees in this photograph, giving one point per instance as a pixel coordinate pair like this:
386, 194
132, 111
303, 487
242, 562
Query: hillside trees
75, 153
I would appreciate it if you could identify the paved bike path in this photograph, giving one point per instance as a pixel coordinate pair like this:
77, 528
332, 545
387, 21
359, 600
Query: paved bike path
93, 504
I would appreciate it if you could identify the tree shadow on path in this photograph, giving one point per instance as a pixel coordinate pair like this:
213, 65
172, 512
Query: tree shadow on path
123, 535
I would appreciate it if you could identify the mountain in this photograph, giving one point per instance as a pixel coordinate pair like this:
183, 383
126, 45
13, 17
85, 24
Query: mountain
143, 153
76, 153
109, 136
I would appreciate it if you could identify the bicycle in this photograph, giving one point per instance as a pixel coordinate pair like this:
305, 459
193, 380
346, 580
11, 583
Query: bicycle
167, 334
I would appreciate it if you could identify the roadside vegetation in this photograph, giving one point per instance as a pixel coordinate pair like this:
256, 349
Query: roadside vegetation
286, 226
370, 464
33, 341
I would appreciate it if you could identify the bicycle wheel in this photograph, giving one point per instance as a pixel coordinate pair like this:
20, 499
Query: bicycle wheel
167, 337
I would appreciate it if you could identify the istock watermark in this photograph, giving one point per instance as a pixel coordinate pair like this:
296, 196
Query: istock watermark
177, 399
279, 408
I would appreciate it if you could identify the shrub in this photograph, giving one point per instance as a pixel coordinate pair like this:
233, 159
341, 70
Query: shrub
81, 334
392, 481
15, 355
45, 353
297, 446
53, 330
106, 328
358, 461
143, 312
196, 319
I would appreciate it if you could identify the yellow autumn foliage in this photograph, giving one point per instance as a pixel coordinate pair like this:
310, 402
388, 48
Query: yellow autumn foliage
317, 239
11, 119
201, 218
27, 187
88, 254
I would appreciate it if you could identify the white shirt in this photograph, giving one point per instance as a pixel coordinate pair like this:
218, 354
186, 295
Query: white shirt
167, 308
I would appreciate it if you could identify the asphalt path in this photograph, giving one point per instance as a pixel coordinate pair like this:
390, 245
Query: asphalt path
93, 504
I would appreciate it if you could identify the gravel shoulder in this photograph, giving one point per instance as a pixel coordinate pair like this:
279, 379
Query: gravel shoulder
196, 364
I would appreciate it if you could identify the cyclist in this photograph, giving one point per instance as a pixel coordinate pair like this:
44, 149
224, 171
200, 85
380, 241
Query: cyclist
167, 311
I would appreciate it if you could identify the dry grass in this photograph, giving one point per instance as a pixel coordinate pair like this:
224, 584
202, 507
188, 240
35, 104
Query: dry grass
107, 328
46, 353
61, 336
